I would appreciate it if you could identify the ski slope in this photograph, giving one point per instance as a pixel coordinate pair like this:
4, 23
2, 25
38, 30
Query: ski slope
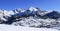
19, 28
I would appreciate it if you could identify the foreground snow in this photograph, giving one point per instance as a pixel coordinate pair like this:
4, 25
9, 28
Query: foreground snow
19, 28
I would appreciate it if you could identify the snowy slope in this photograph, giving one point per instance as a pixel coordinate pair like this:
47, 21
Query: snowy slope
19, 28
35, 22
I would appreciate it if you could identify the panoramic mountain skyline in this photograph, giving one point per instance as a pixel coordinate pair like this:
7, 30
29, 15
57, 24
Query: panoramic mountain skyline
30, 15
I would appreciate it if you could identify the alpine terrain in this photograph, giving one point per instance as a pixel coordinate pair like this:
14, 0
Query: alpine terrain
32, 17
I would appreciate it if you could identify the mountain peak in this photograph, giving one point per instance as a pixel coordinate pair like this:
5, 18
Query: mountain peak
23, 10
32, 9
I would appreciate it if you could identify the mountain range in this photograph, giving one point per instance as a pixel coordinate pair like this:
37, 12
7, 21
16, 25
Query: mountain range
32, 17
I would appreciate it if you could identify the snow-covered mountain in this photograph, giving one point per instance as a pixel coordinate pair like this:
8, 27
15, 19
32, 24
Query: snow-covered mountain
32, 17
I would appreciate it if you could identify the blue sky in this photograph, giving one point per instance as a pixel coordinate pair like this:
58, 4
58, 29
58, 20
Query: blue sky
42, 4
